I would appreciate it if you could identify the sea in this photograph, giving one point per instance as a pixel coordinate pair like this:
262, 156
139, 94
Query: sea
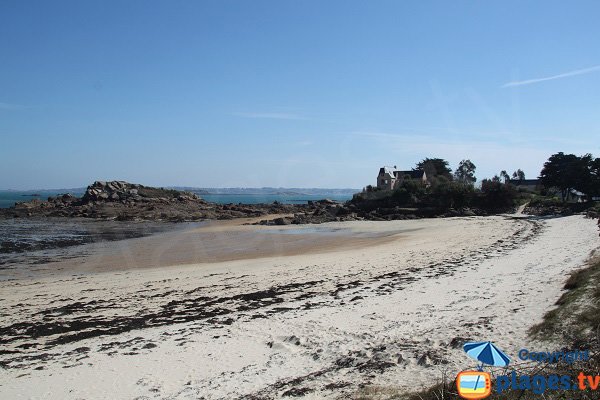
8, 198
270, 198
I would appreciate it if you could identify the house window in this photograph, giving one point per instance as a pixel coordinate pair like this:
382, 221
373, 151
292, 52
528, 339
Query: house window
385, 181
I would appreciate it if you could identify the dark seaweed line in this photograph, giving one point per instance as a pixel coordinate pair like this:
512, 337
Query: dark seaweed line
185, 310
205, 308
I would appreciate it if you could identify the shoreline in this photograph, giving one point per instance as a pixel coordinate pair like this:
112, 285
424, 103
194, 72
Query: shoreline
205, 243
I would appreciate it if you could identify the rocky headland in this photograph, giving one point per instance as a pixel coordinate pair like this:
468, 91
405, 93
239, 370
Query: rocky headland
119, 200
123, 201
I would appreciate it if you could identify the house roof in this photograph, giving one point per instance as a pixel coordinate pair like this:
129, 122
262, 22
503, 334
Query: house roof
412, 174
386, 170
400, 174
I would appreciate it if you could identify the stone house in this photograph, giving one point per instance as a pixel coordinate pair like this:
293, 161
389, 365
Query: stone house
390, 178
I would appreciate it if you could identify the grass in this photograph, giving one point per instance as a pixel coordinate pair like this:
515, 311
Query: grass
594, 210
545, 201
553, 204
574, 323
576, 318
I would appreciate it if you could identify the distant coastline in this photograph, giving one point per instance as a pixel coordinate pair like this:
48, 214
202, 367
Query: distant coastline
283, 198
8, 198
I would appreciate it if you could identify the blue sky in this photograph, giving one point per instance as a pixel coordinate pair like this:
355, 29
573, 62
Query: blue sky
290, 93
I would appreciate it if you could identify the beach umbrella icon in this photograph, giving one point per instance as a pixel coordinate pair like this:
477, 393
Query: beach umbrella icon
486, 353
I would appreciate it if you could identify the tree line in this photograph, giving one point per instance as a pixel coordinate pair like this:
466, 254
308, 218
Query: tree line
567, 172
447, 189
561, 172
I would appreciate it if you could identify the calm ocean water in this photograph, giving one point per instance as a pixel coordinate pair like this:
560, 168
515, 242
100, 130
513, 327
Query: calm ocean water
8, 198
269, 198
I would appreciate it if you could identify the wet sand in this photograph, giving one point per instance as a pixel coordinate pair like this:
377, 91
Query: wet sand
209, 242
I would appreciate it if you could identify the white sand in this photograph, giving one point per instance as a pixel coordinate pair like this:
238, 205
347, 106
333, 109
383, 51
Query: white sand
317, 324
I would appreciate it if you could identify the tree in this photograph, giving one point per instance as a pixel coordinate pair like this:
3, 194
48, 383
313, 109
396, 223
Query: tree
590, 180
465, 172
409, 193
496, 196
519, 175
504, 175
566, 172
594, 189
445, 194
434, 167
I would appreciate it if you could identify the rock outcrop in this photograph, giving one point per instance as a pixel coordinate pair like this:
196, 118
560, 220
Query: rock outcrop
126, 201
118, 200
120, 191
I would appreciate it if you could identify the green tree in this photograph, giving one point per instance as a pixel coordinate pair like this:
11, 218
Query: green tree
434, 167
409, 193
496, 196
504, 175
566, 172
590, 180
465, 172
594, 189
445, 194
519, 175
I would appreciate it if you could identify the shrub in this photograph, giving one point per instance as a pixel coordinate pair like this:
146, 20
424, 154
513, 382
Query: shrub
445, 193
496, 196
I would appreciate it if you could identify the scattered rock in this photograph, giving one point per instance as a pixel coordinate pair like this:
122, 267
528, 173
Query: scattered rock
281, 221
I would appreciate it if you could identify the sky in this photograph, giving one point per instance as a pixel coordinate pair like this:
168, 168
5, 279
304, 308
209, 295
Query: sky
290, 93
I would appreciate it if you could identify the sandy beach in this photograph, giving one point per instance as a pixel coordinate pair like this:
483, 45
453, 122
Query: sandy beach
227, 311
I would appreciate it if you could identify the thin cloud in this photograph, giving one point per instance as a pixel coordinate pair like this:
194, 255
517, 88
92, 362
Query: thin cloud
269, 115
553, 77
